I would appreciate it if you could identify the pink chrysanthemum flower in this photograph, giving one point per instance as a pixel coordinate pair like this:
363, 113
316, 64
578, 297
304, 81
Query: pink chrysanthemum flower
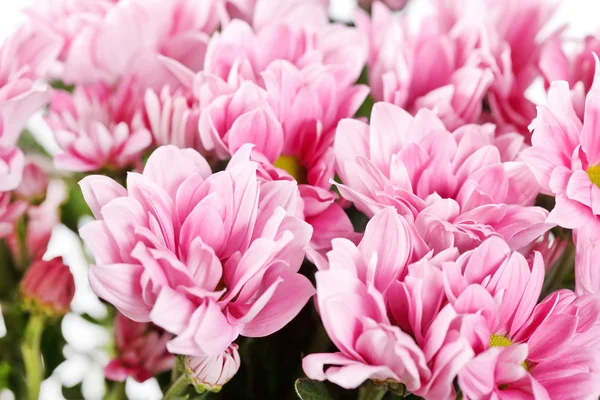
67, 18
462, 55
544, 351
98, 127
207, 257
389, 318
142, 30
428, 67
291, 121
335, 45
457, 187
507, 36
565, 155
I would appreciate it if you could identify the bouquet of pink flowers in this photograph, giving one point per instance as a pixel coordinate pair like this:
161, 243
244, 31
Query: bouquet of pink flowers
276, 205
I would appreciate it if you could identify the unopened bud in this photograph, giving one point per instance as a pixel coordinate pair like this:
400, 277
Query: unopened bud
212, 372
48, 286
34, 183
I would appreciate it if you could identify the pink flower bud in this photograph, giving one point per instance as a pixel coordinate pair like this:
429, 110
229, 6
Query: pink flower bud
34, 182
141, 351
212, 372
48, 286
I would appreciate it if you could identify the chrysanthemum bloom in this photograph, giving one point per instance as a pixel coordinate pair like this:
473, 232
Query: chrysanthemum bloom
424, 68
507, 39
290, 121
415, 340
141, 351
67, 18
212, 372
48, 287
204, 256
98, 127
575, 67
565, 155
142, 30
456, 186
555, 358
294, 116
543, 351
335, 45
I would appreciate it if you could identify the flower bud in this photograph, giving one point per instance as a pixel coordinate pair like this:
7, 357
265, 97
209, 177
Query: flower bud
48, 286
141, 351
34, 182
212, 372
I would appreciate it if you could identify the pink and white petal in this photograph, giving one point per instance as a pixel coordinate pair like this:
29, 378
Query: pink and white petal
99, 190
172, 310
182, 163
119, 284
569, 214
590, 140
286, 302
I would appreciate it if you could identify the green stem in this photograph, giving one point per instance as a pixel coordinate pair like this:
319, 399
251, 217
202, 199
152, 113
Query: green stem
117, 392
21, 230
32, 356
177, 387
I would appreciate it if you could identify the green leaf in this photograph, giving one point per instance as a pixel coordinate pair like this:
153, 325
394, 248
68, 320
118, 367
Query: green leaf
365, 108
307, 389
74, 208
370, 391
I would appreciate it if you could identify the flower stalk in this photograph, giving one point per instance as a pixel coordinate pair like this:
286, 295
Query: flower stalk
32, 356
177, 388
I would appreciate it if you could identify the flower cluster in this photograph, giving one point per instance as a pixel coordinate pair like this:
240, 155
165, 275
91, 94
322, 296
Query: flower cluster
235, 159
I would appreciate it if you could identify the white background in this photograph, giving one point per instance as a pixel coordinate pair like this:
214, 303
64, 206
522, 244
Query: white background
84, 352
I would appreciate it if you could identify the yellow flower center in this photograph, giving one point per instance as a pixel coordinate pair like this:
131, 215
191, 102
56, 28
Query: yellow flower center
502, 341
292, 166
499, 341
594, 174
